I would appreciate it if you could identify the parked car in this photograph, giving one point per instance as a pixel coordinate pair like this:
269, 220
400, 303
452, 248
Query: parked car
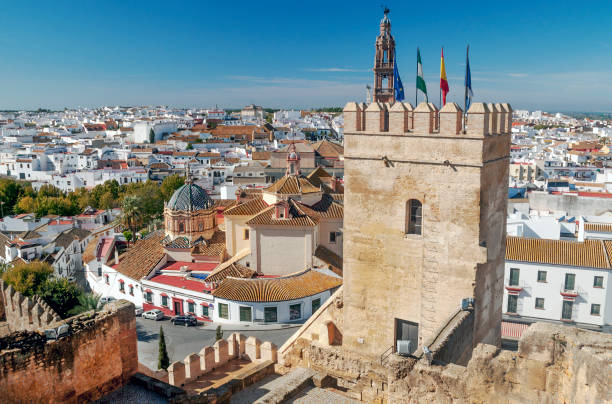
154, 314
104, 300
138, 311
185, 320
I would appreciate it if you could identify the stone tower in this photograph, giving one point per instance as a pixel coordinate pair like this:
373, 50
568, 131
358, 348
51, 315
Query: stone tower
425, 221
383, 62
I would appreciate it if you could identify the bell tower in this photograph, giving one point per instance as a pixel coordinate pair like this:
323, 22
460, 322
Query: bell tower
383, 62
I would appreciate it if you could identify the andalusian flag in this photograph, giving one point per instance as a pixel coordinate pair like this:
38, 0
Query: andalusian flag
420, 82
443, 82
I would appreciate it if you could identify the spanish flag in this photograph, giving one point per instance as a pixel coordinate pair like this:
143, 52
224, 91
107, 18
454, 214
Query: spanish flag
443, 82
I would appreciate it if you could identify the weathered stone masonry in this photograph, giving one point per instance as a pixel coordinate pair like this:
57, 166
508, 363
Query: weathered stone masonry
97, 358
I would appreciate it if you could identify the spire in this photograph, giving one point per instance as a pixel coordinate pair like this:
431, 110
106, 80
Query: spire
293, 160
188, 179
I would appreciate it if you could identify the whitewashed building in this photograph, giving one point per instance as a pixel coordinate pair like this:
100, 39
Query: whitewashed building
558, 280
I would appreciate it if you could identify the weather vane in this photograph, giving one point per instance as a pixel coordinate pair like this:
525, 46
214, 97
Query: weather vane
385, 9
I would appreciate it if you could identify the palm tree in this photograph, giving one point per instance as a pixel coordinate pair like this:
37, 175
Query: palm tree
130, 208
87, 302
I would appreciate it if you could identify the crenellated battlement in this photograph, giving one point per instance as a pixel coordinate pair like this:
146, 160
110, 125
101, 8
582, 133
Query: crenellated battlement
25, 313
402, 118
223, 351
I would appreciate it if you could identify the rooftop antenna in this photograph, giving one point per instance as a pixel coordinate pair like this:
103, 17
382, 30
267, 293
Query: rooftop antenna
368, 94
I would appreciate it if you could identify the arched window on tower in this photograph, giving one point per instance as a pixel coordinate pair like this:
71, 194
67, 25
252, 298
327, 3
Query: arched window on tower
181, 227
414, 217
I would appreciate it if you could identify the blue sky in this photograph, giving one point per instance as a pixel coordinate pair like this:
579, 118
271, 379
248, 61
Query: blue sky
536, 54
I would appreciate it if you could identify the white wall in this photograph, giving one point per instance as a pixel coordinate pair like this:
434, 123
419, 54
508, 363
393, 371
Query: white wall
550, 291
257, 312
282, 251
99, 286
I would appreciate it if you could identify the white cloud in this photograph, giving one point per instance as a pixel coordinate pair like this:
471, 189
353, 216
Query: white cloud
517, 74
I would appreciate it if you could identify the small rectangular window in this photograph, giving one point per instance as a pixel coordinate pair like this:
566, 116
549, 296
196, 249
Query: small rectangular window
541, 276
245, 313
270, 315
191, 307
512, 303
121, 287
598, 282
539, 303
204, 311
316, 303
223, 311
132, 290
149, 297
566, 311
595, 308
246, 234
514, 277
332, 236
165, 301
570, 281
295, 311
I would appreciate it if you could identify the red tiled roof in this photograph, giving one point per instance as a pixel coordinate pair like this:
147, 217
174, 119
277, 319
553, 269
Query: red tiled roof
181, 282
191, 266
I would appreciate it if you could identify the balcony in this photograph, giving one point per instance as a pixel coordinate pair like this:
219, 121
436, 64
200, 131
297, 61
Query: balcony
569, 294
515, 288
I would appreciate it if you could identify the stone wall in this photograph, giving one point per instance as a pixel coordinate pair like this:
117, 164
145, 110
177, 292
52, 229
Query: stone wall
25, 313
97, 358
554, 364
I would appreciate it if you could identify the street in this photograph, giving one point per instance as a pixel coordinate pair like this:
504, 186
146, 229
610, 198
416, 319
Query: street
181, 340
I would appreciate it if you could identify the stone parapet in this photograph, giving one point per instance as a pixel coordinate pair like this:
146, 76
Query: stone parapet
25, 313
195, 366
402, 118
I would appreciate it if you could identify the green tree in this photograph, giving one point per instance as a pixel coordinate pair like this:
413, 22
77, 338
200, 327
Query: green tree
86, 302
151, 136
130, 208
219, 333
107, 201
27, 277
170, 184
60, 294
26, 204
163, 360
189, 146
128, 236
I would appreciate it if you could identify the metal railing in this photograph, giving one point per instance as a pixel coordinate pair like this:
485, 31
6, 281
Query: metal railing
386, 354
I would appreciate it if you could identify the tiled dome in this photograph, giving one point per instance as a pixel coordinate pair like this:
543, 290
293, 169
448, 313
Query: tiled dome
190, 197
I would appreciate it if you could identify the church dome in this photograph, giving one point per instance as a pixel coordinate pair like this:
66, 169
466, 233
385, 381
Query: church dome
190, 197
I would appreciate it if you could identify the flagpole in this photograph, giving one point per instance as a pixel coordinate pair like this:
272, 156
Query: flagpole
466, 88
440, 102
416, 88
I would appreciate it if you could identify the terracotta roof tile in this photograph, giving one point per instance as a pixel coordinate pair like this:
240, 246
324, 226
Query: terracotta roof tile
325, 208
598, 227
330, 258
233, 270
590, 253
292, 184
307, 283
249, 208
140, 259
297, 218
214, 247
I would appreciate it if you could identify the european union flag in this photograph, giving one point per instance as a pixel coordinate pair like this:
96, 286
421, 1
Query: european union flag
397, 84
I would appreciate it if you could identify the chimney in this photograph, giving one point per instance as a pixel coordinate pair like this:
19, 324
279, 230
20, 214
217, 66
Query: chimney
116, 256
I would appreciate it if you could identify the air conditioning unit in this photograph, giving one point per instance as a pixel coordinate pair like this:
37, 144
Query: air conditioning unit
403, 347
